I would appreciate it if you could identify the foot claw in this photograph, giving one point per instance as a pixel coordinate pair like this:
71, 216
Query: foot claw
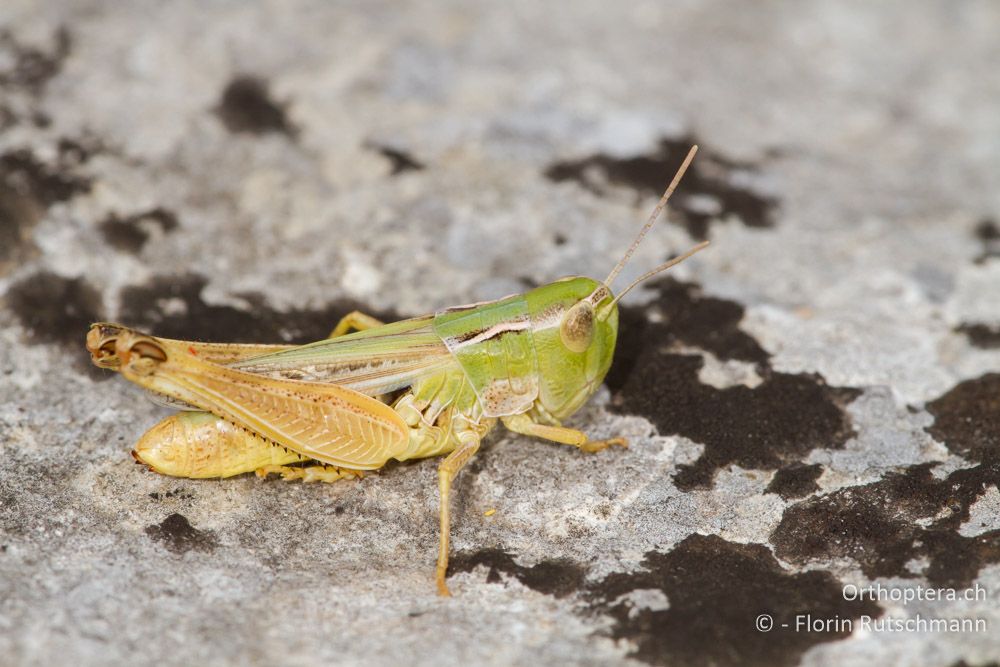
598, 445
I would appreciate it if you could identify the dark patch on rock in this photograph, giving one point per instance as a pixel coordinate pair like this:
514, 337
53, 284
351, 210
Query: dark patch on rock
75, 152
980, 335
967, 418
172, 307
29, 68
27, 188
176, 493
686, 317
399, 161
884, 525
772, 425
559, 239
987, 230
558, 577
712, 187
988, 233
54, 309
246, 106
716, 590
57, 310
131, 233
795, 481
24, 173
776, 423
178, 535
7, 118
12, 511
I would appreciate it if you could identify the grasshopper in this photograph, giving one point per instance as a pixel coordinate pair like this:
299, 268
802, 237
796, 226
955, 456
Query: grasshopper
421, 387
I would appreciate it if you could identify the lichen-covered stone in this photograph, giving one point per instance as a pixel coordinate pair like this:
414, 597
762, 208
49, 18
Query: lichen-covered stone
811, 403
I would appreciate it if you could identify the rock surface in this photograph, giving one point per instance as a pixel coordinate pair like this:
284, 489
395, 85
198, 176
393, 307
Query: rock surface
814, 403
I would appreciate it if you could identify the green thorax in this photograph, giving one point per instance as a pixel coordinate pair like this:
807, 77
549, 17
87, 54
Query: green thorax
494, 345
513, 353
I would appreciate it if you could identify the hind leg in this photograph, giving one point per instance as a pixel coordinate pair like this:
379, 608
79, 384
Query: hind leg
102, 340
199, 445
103, 336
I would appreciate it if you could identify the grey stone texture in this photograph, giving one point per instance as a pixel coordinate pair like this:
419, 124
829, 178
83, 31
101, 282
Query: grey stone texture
813, 402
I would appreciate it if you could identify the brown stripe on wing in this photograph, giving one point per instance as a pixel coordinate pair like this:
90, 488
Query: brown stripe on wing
375, 361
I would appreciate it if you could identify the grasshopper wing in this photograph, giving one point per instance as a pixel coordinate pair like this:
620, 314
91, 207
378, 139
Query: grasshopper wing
326, 422
375, 361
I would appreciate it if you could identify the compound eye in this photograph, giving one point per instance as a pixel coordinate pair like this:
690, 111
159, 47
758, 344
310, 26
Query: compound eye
577, 328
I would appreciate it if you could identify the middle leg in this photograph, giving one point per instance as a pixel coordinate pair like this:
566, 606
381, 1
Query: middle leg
355, 320
469, 445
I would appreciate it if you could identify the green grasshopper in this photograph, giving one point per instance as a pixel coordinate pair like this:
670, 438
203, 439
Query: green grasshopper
421, 387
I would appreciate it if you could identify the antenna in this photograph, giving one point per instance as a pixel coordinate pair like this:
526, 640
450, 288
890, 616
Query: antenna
660, 269
649, 223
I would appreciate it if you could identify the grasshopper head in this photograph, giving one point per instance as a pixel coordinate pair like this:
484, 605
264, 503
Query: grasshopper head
575, 328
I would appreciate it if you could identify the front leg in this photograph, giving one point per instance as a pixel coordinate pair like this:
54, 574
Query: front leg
524, 425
